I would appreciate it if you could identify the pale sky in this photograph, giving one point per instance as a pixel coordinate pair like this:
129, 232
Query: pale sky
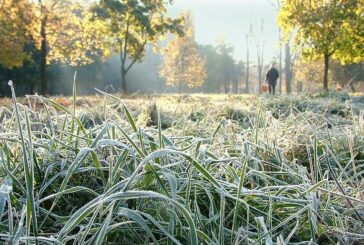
230, 19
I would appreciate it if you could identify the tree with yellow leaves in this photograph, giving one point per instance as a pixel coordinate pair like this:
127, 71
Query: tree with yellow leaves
326, 29
182, 64
58, 30
62, 33
13, 22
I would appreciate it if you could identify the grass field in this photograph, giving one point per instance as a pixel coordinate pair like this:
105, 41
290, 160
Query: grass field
191, 169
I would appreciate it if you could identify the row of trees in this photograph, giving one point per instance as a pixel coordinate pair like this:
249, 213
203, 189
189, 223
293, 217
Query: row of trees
77, 32
41, 35
223, 74
83, 34
189, 65
328, 29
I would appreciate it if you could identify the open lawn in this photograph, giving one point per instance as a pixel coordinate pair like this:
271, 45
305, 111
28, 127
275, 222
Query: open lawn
190, 169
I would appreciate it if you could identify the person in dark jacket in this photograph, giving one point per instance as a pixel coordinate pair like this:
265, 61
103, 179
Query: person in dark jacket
271, 77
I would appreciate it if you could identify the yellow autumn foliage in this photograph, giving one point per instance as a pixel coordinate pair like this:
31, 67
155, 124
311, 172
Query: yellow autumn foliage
182, 64
69, 33
13, 31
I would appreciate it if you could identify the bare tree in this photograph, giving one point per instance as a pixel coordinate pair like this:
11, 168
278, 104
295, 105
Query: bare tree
259, 42
288, 70
247, 36
289, 60
280, 56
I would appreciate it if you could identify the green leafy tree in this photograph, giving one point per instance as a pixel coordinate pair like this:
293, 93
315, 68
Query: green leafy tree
127, 26
213, 68
238, 75
221, 68
227, 64
182, 64
325, 28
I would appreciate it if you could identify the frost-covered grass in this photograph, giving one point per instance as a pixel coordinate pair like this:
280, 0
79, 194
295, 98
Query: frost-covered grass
176, 169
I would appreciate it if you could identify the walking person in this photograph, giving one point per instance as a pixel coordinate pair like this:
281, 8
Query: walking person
271, 77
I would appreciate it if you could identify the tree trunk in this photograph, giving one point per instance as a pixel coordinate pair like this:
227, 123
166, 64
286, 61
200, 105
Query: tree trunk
326, 72
280, 58
247, 79
31, 85
226, 87
123, 87
288, 72
43, 57
247, 64
280, 70
260, 78
260, 55
260, 70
